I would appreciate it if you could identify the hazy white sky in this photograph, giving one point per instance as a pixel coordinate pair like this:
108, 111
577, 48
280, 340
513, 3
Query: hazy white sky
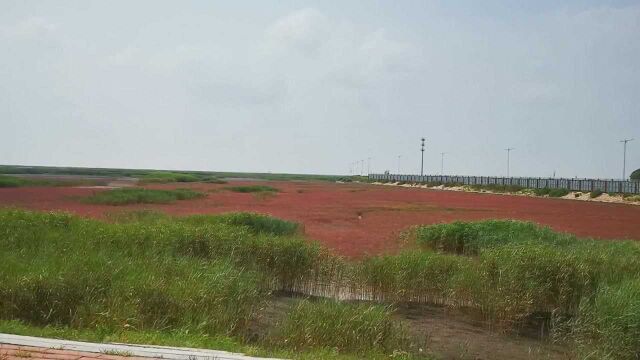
311, 86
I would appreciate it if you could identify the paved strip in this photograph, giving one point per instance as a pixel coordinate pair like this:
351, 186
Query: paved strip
15, 345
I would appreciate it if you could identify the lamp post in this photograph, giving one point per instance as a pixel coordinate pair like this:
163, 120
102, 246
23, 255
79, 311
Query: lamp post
422, 161
624, 158
508, 159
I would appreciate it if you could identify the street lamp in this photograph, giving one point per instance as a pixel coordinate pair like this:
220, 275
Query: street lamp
624, 158
508, 153
422, 162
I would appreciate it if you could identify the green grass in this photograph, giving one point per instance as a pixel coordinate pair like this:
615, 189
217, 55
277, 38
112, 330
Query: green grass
14, 181
186, 338
263, 223
410, 276
256, 223
595, 193
118, 274
631, 198
609, 324
11, 181
166, 177
253, 189
127, 196
147, 277
510, 270
358, 328
551, 192
214, 180
469, 238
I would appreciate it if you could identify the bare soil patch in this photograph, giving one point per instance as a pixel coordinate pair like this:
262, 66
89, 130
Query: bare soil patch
445, 333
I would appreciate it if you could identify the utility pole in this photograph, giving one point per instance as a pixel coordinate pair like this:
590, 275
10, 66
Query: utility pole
422, 162
442, 163
508, 153
624, 158
368, 166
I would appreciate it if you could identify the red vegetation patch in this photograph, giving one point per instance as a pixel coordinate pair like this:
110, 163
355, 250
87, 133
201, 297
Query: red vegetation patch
357, 219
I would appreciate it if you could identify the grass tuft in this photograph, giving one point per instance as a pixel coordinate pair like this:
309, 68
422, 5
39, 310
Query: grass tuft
609, 324
551, 192
631, 198
127, 196
167, 177
253, 189
355, 328
595, 193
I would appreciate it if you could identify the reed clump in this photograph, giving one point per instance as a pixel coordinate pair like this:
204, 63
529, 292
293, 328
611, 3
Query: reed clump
126, 196
520, 269
608, 325
359, 328
149, 273
209, 275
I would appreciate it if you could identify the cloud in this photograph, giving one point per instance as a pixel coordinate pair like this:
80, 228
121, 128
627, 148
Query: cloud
335, 81
374, 57
304, 30
336, 53
236, 90
31, 27
300, 56
126, 56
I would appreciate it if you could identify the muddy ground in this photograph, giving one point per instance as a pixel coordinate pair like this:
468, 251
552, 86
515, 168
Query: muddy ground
444, 333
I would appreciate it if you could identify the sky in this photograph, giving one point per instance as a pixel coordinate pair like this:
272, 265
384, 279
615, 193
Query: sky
314, 86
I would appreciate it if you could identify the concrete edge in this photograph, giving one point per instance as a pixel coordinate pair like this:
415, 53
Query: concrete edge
153, 351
